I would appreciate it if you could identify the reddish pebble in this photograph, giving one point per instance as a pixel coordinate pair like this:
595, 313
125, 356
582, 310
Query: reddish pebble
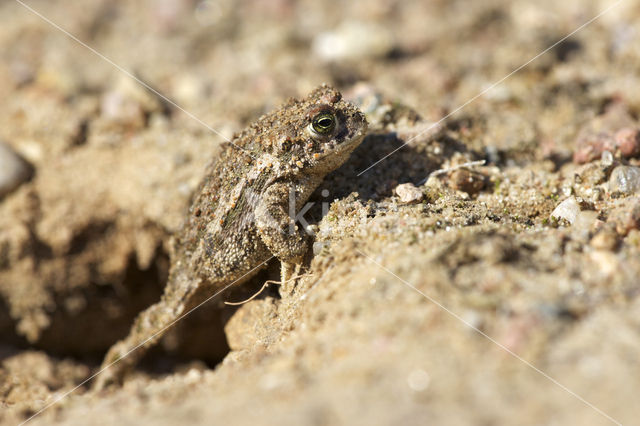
615, 131
627, 140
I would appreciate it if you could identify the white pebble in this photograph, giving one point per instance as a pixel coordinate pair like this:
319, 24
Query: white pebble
567, 210
606, 159
418, 380
408, 193
193, 376
353, 40
625, 179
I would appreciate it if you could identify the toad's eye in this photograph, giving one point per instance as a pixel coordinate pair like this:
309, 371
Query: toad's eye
324, 123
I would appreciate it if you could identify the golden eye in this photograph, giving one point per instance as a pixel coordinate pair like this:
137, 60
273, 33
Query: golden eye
324, 123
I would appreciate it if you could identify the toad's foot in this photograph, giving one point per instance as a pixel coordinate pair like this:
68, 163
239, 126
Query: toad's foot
289, 272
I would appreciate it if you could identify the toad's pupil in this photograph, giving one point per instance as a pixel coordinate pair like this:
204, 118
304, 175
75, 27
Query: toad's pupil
325, 122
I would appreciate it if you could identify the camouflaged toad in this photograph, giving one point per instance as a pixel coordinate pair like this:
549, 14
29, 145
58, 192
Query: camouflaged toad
241, 215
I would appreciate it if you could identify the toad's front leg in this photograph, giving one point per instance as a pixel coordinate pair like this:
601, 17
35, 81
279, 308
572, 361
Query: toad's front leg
284, 238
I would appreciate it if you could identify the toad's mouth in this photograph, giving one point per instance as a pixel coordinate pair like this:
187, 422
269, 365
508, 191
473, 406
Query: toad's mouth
335, 149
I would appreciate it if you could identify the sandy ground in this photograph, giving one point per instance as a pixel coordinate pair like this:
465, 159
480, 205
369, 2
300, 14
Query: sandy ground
501, 293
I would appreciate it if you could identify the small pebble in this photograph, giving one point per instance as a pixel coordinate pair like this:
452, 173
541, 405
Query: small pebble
189, 89
128, 103
467, 181
116, 107
567, 210
353, 40
193, 376
627, 140
366, 97
606, 263
606, 159
605, 239
418, 380
625, 180
409, 193
615, 131
13, 170
585, 224
311, 229
626, 217
320, 246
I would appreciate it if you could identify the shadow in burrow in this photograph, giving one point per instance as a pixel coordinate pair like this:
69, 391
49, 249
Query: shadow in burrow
109, 309
199, 338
